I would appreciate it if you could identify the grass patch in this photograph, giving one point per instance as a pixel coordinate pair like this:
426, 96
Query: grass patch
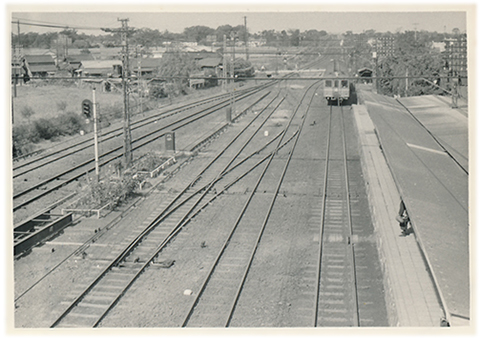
50, 100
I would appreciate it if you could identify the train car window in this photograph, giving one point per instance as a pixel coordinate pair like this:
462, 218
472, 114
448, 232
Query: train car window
328, 83
344, 84
336, 83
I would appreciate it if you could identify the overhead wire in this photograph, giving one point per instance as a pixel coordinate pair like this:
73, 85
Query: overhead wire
38, 23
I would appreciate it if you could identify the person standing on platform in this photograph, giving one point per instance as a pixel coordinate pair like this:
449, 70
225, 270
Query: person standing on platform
402, 218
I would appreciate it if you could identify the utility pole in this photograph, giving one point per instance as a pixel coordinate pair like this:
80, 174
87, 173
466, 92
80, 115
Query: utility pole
406, 82
95, 136
16, 58
126, 114
375, 56
140, 81
224, 82
246, 38
233, 56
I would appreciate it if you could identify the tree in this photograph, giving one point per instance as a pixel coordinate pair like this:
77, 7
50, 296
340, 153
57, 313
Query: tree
223, 30
418, 58
197, 33
176, 68
294, 37
147, 37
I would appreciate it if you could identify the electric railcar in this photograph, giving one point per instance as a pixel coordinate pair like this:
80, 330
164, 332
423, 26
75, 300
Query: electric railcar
336, 89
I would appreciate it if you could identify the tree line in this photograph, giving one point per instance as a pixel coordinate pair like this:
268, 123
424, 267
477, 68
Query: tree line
148, 37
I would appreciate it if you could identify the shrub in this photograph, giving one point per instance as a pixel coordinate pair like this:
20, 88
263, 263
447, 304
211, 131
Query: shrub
150, 162
23, 137
101, 193
27, 112
46, 128
68, 123
157, 91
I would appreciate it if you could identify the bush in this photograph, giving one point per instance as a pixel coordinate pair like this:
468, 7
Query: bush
149, 162
104, 192
157, 91
46, 128
27, 112
68, 124
23, 137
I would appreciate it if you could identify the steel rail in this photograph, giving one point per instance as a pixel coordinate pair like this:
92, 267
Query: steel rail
131, 246
142, 122
351, 244
180, 108
322, 222
207, 186
194, 117
267, 216
185, 219
104, 161
106, 136
237, 222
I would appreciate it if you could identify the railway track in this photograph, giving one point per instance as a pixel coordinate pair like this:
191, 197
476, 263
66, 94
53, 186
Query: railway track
92, 305
74, 173
215, 302
179, 209
336, 292
87, 142
337, 299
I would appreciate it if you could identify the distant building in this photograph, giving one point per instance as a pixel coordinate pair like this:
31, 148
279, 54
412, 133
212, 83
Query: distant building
197, 83
385, 46
455, 56
76, 60
40, 65
203, 55
97, 68
440, 46
144, 66
257, 42
213, 64
211, 38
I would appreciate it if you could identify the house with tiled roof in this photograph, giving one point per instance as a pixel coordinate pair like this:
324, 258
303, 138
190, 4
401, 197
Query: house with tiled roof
40, 65
97, 68
145, 66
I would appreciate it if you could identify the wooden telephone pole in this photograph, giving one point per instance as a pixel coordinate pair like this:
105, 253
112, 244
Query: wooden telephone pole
246, 38
126, 115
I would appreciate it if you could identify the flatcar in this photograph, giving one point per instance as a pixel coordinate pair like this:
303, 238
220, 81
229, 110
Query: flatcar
336, 88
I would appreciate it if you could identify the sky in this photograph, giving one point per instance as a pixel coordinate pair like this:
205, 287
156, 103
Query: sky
337, 19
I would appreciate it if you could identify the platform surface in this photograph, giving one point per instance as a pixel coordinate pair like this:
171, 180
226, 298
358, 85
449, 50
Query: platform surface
433, 186
448, 126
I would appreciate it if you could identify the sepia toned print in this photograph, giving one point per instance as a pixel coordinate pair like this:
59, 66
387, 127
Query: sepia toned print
240, 169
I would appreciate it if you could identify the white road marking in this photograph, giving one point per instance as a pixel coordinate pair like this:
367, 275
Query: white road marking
427, 149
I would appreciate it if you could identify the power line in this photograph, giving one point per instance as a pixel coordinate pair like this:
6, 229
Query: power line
52, 25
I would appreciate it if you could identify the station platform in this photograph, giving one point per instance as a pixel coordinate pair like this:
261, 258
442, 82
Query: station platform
416, 150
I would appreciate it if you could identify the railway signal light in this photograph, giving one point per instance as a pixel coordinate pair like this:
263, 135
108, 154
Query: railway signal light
87, 108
